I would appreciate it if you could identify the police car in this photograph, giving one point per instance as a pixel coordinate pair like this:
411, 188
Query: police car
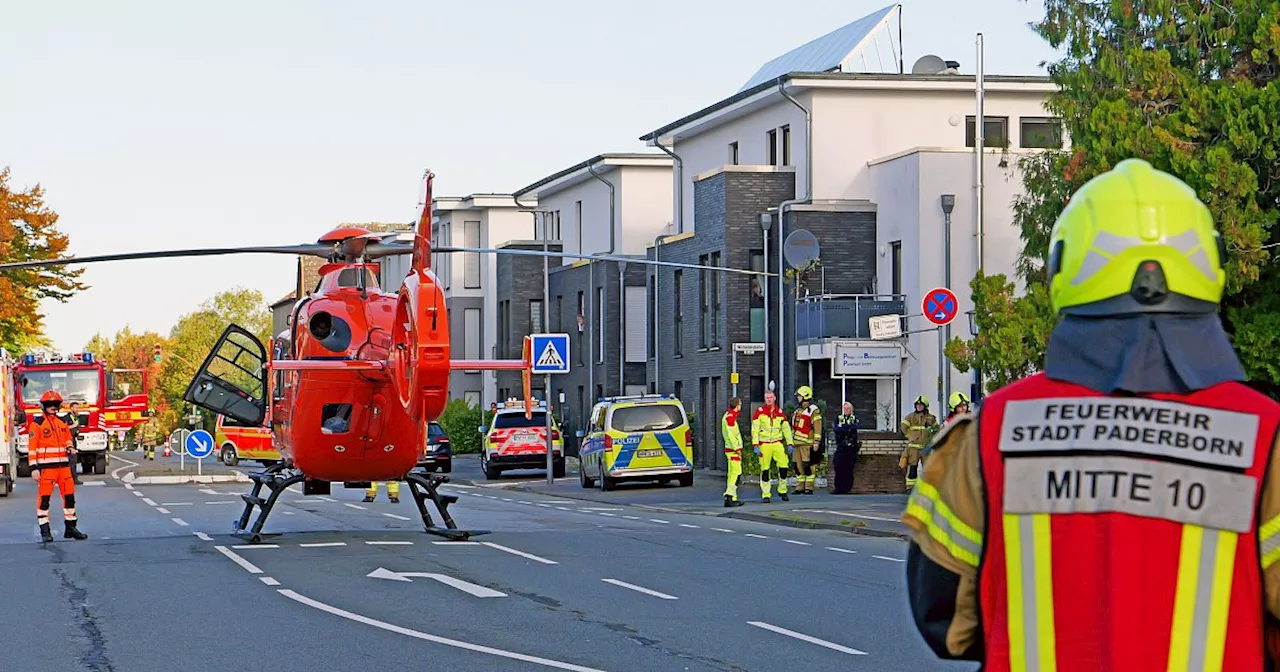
643, 437
517, 442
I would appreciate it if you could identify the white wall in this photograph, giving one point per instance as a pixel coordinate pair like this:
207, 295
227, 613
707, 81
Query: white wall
642, 199
646, 206
907, 193
591, 235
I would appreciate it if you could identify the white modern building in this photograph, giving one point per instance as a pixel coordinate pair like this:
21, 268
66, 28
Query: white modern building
887, 142
478, 221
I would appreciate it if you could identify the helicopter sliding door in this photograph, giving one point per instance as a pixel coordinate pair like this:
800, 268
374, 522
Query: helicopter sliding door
233, 379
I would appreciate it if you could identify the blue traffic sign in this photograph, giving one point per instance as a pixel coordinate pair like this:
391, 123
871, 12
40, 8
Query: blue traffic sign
940, 306
550, 353
199, 444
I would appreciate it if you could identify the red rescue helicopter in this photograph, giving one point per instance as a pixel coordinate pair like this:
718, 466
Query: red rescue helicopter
354, 383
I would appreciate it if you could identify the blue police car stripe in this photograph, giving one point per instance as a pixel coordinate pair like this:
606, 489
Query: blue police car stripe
665, 441
673, 451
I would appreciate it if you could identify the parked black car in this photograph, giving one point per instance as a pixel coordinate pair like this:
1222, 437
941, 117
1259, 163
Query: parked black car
438, 456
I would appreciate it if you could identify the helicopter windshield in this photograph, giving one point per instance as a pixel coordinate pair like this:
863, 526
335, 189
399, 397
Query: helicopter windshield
76, 385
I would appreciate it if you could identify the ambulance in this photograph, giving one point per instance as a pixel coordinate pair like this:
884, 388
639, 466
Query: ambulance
517, 442
637, 438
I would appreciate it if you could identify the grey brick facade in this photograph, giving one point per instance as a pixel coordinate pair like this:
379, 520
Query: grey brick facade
727, 208
519, 281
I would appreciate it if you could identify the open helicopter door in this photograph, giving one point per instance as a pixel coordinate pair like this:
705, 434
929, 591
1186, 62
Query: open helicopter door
233, 379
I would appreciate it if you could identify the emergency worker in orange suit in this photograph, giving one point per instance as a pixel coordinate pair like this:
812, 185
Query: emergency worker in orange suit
49, 445
1120, 511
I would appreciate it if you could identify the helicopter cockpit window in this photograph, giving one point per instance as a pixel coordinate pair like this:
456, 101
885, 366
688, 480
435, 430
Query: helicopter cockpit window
335, 418
348, 277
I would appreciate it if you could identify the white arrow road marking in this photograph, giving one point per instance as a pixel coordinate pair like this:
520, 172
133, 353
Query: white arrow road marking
639, 589
807, 638
464, 586
302, 599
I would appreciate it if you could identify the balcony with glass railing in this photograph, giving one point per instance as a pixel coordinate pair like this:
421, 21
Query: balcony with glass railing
842, 316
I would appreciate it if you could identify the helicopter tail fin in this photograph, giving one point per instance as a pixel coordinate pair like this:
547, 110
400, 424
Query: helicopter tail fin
421, 259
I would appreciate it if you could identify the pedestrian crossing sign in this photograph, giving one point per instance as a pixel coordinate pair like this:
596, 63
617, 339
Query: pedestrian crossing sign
550, 353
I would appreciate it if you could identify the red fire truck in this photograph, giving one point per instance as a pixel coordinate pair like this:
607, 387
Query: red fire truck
87, 387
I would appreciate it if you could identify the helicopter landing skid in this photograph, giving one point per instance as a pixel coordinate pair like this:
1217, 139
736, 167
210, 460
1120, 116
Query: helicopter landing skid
423, 487
272, 477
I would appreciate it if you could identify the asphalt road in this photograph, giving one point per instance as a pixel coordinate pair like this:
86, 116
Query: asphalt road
558, 584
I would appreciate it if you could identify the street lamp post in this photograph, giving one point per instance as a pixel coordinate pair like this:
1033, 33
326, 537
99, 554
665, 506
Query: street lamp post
944, 367
766, 221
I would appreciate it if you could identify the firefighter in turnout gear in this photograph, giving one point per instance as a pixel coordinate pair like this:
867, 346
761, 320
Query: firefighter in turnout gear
732, 433
916, 427
49, 446
770, 431
958, 404
806, 424
1169, 562
393, 491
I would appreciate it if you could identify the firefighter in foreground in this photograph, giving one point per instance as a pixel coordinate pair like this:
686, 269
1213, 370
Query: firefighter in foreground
916, 426
1120, 510
770, 431
806, 425
48, 449
732, 433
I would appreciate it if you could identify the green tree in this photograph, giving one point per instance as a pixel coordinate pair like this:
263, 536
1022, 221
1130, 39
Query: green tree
461, 421
29, 232
195, 334
1188, 86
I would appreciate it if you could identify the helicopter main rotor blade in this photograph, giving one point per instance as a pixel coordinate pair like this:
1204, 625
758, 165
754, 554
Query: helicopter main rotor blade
316, 249
600, 257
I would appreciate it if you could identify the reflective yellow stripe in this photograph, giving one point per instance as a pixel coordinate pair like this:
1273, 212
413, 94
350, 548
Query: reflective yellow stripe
1206, 564
1269, 538
1029, 568
961, 541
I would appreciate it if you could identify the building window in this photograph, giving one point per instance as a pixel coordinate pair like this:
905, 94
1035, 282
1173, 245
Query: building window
652, 349
895, 270
1040, 133
471, 333
535, 317
995, 132
471, 260
581, 319
599, 392
771, 145
554, 234
600, 325
704, 303
733, 153
715, 300
679, 390
577, 206
757, 390
677, 284
786, 145
756, 301
503, 329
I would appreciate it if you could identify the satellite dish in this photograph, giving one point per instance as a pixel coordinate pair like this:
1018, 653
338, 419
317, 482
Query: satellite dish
800, 248
928, 65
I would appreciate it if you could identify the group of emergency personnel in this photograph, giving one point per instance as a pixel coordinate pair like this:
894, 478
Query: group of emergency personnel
919, 425
1078, 524
779, 442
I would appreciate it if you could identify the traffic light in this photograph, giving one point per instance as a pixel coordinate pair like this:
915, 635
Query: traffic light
157, 352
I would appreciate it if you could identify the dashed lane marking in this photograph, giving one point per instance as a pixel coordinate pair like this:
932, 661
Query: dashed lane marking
522, 554
456, 543
235, 557
632, 517
249, 547
797, 543
203, 537
268, 580
351, 616
564, 508
326, 499
161, 509
757, 536
396, 516
389, 543
660, 521
149, 501
721, 529
611, 515
688, 525
806, 638
139, 494
354, 506
840, 550
175, 503
883, 557
640, 589
128, 486
326, 544
179, 521
223, 502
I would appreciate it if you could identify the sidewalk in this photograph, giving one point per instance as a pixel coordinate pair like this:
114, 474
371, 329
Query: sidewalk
872, 515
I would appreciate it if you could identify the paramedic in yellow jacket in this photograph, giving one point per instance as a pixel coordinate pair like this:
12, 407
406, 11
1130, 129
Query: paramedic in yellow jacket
731, 430
806, 423
916, 427
770, 431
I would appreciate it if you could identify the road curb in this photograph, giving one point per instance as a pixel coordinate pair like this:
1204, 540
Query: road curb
865, 530
177, 480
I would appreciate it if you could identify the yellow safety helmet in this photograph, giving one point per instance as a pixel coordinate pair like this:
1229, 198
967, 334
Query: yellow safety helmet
804, 392
921, 400
1135, 240
956, 399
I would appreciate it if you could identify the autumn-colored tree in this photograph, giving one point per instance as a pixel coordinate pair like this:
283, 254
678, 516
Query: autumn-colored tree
197, 332
1190, 87
29, 232
129, 350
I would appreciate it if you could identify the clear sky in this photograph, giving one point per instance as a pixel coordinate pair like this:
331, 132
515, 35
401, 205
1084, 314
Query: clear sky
156, 125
